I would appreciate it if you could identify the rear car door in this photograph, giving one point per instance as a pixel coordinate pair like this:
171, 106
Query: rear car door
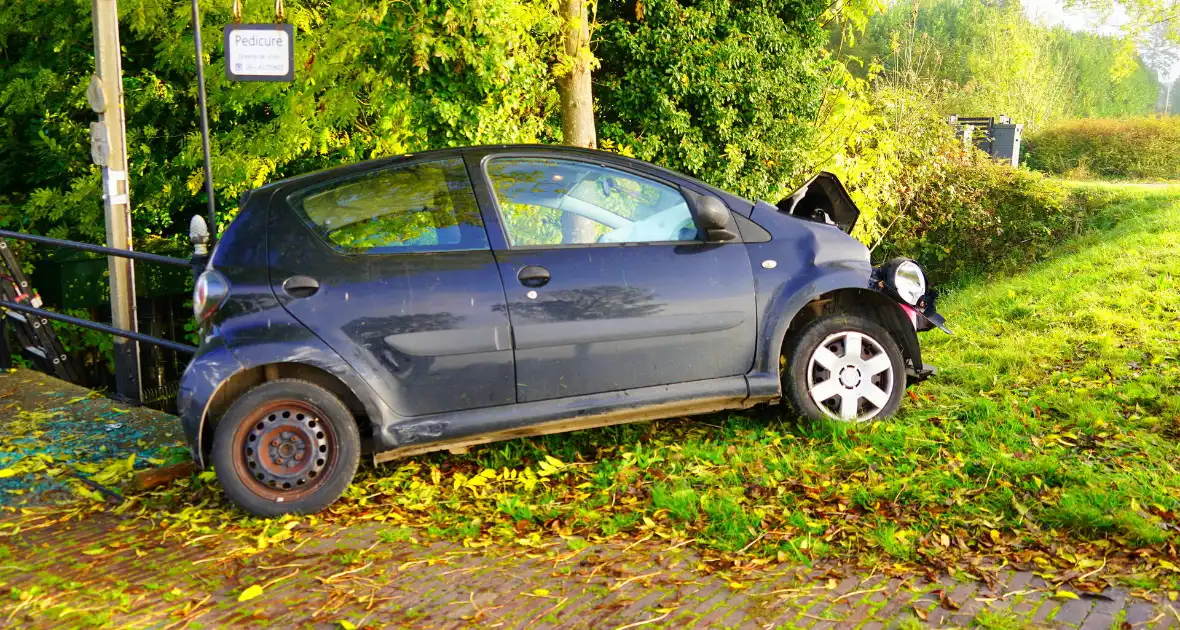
391, 267
608, 286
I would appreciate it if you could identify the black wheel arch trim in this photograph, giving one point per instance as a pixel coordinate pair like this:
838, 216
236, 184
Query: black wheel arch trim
792, 299
209, 372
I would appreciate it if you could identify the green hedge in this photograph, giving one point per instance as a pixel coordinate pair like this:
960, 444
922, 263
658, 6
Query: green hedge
975, 216
1127, 148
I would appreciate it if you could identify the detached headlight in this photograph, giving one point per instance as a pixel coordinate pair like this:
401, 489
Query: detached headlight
906, 277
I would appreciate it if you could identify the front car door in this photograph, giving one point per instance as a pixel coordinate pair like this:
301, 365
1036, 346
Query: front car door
608, 286
391, 267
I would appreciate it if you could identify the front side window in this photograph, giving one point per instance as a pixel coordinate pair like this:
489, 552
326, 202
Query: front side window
546, 202
428, 206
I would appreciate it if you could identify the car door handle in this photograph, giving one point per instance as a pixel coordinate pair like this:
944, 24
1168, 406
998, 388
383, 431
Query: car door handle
301, 286
533, 276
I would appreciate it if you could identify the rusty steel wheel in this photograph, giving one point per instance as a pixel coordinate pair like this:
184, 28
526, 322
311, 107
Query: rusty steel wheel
286, 450
286, 446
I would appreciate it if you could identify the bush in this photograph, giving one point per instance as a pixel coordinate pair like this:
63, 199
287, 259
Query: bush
724, 90
974, 212
925, 196
976, 215
1126, 148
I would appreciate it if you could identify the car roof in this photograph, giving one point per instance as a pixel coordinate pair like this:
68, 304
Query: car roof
360, 167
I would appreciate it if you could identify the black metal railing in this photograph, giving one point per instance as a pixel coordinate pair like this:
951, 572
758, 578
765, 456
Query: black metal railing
16, 304
103, 328
97, 249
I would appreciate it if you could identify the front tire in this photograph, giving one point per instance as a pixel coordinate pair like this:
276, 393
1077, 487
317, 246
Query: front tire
286, 447
844, 367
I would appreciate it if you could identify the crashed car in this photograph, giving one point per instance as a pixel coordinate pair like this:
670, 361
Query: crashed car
453, 298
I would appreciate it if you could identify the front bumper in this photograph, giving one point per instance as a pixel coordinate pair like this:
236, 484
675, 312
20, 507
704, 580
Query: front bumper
210, 367
924, 320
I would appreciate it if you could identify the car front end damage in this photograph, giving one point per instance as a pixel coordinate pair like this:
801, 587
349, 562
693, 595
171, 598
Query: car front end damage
823, 199
904, 282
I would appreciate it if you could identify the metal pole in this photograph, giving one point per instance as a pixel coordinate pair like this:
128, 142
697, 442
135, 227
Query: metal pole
5, 353
212, 221
107, 101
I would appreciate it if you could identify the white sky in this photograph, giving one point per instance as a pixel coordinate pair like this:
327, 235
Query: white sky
1053, 12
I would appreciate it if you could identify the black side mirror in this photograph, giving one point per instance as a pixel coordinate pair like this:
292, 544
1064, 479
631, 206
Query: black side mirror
714, 220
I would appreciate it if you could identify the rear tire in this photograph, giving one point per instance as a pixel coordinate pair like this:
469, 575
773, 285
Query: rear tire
286, 447
844, 367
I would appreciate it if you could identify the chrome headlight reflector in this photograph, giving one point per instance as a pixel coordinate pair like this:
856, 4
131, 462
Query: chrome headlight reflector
907, 279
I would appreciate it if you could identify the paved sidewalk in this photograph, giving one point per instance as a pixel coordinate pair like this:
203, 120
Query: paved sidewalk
125, 572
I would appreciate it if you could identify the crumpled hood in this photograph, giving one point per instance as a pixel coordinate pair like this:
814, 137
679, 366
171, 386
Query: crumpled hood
822, 199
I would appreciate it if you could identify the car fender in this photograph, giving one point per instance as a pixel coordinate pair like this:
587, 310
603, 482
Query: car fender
281, 340
796, 291
212, 365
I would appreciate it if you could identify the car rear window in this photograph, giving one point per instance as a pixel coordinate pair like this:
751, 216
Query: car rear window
425, 206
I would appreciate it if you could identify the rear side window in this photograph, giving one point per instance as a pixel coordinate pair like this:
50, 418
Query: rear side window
426, 206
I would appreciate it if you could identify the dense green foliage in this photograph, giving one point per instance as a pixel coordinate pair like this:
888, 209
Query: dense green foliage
1127, 148
722, 90
734, 87
372, 79
974, 213
737, 93
993, 60
924, 195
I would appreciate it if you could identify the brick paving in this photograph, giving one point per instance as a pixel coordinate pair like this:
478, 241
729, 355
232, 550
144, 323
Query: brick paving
124, 573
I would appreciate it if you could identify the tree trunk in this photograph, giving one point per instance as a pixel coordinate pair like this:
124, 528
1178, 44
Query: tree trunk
577, 101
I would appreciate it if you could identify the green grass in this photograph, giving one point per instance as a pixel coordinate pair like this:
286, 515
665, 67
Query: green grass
1053, 421
1048, 440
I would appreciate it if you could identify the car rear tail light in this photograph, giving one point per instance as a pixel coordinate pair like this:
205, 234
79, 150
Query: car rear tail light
211, 290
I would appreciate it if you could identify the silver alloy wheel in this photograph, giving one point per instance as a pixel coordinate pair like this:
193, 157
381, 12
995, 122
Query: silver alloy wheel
850, 377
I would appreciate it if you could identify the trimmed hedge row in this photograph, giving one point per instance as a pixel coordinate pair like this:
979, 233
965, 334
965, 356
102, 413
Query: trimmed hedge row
1145, 148
976, 216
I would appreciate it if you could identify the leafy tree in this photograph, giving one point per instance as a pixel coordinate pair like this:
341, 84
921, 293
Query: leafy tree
726, 90
999, 62
1163, 56
372, 79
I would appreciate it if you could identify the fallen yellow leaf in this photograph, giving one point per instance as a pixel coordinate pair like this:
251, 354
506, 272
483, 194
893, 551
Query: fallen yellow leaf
250, 593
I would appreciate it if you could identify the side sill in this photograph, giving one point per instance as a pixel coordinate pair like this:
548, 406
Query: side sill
764, 386
584, 412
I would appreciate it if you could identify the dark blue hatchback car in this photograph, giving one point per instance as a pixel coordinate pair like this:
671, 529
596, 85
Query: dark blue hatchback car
458, 297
